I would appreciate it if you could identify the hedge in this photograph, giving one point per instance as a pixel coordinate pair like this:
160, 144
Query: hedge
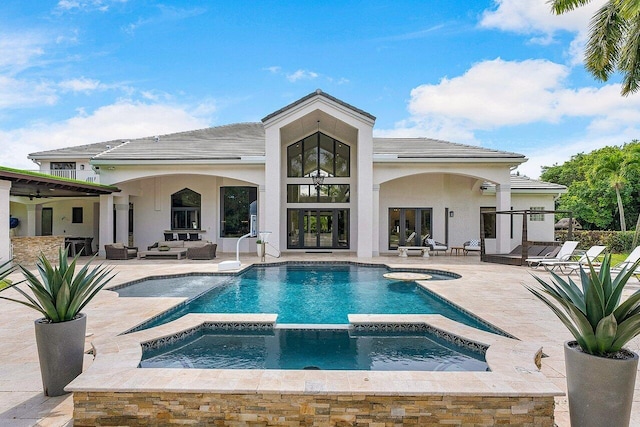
615, 241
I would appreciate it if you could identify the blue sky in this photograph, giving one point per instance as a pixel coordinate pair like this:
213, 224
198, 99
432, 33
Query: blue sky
503, 74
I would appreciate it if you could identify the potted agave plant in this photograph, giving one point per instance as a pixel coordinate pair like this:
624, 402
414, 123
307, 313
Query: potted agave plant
601, 373
59, 294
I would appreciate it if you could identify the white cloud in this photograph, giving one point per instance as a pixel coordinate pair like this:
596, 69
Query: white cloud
81, 84
301, 75
15, 93
493, 95
125, 119
17, 51
86, 5
535, 18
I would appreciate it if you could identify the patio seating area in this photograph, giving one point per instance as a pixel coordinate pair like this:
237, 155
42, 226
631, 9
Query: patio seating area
22, 402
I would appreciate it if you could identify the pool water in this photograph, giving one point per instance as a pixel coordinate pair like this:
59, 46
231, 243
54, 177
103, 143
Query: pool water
325, 349
317, 294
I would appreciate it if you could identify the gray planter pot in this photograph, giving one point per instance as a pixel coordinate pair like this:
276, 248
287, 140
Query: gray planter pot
600, 389
61, 352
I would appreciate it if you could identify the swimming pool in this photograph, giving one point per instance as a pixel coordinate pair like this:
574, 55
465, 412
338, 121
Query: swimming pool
317, 294
314, 349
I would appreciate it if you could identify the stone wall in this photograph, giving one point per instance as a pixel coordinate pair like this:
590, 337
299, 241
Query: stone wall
27, 249
215, 409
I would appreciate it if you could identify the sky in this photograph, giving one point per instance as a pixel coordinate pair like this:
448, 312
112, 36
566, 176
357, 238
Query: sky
501, 74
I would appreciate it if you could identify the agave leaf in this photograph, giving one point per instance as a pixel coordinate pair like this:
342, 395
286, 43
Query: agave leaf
594, 296
606, 333
62, 300
573, 319
628, 307
33, 306
564, 291
627, 330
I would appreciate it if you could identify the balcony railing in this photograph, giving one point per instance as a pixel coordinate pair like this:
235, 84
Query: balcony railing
80, 175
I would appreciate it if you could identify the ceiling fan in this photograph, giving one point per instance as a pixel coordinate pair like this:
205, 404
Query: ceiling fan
37, 195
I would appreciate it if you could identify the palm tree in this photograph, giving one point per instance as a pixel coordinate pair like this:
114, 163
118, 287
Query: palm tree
614, 40
612, 167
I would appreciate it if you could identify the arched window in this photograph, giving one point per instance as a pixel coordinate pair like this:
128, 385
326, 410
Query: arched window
185, 210
318, 154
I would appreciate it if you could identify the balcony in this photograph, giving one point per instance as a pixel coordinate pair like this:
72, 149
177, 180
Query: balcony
80, 175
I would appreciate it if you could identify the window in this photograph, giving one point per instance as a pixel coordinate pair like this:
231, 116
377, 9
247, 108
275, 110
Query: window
489, 219
185, 210
63, 169
318, 228
234, 207
332, 193
320, 154
63, 165
536, 216
76, 216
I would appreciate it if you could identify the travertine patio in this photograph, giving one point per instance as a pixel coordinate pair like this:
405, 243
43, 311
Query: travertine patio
492, 292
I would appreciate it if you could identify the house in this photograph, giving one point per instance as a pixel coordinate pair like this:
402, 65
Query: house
321, 181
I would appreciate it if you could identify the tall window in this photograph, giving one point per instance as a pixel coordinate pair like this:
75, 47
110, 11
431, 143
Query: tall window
185, 210
320, 154
234, 206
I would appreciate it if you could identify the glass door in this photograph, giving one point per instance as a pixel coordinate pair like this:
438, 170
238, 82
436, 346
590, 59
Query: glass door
318, 229
408, 226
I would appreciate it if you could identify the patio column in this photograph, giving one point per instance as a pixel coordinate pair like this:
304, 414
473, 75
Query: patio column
5, 241
106, 222
503, 222
262, 201
366, 227
122, 218
376, 220
272, 181
30, 226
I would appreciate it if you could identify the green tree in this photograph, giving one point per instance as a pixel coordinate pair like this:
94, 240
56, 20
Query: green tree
591, 196
614, 40
612, 167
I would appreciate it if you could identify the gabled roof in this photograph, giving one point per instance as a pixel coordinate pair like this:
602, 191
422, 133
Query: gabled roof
243, 140
318, 92
419, 148
230, 142
76, 152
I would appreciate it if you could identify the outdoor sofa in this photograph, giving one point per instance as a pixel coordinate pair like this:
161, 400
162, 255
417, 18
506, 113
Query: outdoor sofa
120, 251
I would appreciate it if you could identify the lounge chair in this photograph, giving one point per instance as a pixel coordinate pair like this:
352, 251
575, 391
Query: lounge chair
568, 267
436, 246
562, 255
120, 251
472, 245
627, 263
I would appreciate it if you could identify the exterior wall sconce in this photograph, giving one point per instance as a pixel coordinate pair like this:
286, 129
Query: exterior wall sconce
450, 214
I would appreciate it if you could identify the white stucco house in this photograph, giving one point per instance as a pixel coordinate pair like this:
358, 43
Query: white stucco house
321, 180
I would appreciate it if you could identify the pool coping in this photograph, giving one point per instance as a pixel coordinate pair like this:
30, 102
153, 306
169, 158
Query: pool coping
514, 366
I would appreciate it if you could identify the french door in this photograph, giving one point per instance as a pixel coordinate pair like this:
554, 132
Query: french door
408, 226
318, 228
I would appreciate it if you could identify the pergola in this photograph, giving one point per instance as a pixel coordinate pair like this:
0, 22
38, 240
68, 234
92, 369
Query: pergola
519, 257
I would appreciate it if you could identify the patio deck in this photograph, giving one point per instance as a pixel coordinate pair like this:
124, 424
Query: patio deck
493, 292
